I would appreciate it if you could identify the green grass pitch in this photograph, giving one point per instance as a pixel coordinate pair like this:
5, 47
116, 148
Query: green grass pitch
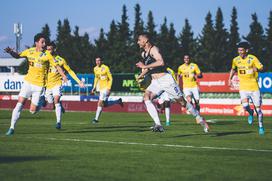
122, 147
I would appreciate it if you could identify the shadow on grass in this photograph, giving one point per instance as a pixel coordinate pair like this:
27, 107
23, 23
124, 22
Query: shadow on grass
111, 129
212, 134
15, 159
232, 133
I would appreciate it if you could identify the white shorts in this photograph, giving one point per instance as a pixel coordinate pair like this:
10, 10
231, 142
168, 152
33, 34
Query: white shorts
163, 97
191, 92
29, 90
103, 95
51, 93
167, 84
255, 95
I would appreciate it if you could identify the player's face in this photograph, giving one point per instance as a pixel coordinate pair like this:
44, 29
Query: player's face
40, 44
50, 49
242, 52
141, 41
186, 59
98, 61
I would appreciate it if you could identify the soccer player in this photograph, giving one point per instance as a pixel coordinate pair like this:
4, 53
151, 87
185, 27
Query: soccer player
161, 81
164, 101
190, 72
247, 66
102, 84
34, 82
54, 82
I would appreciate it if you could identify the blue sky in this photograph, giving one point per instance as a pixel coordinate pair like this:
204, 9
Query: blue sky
91, 15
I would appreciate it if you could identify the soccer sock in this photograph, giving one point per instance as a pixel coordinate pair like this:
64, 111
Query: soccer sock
247, 108
58, 112
152, 112
260, 117
98, 112
16, 114
110, 103
167, 114
191, 109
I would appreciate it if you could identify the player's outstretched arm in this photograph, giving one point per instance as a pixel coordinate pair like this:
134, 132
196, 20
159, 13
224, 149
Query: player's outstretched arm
12, 52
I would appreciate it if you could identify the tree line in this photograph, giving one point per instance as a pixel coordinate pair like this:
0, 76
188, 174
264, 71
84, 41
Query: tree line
213, 50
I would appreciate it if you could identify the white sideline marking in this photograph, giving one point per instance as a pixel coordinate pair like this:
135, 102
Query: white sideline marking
155, 144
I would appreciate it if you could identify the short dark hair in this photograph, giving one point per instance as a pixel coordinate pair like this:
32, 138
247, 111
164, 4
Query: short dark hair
38, 36
243, 44
53, 44
145, 34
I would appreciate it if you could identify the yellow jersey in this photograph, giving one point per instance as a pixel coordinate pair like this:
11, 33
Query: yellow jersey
103, 77
54, 77
38, 65
171, 72
247, 76
188, 73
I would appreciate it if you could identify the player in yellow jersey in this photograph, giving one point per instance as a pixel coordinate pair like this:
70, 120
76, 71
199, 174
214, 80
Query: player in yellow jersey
190, 72
54, 82
34, 82
102, 84
247, 66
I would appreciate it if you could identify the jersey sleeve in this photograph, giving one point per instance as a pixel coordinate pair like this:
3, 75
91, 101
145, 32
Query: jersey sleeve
24, 53
257, 63
197, 70
70, 71
95, 79
109, 77
179, 71
233, 65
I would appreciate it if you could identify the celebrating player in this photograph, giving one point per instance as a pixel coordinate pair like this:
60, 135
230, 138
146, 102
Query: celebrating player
34, 82
161, 81
54, 82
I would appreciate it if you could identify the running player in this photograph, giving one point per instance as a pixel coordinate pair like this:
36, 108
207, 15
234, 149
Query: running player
34, 82
54, 82
102, 84
247, 66
190, 72
161, 81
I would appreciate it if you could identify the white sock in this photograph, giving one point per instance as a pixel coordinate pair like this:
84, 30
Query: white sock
98, 112
16, 114
191, 109
58, 112
152, 112
167, 114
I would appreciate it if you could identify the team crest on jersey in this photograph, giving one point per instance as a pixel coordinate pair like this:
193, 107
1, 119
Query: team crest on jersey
102, 69
191, 67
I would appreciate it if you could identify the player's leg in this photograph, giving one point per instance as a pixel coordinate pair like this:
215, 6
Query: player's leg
166, 105
36, 92
25, 93
188, 96
174, 92
16, 115
196, 97
57, 93
257, 102
102, 99
153, 89
245, 102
